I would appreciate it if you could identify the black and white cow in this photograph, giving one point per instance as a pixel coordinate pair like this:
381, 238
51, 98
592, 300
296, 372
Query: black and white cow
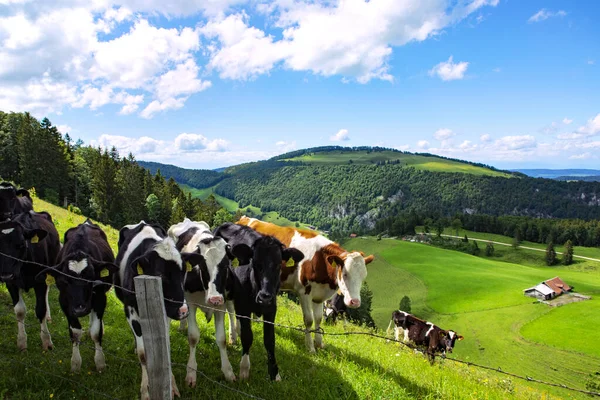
424, 334
254, 287
145, 249
83, 274
204, 285
335, 307
13, 201
30, 237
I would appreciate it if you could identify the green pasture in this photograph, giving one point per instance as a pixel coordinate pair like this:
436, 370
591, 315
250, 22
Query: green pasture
417, 161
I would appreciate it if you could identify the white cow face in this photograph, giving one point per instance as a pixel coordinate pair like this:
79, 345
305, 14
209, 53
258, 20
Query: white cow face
351, 275
214, 251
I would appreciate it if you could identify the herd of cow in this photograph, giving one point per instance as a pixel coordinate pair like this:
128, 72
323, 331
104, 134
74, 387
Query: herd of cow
237, 268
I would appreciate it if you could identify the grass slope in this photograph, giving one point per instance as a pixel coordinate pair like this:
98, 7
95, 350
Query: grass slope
350, 367
413, 160
482, 299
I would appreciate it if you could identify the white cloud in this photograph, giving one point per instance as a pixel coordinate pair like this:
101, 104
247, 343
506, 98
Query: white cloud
516, 142
64, 129
284, 147
485, 138
443, 134
194, 142
158, 106
127, 145
591, 128
423, 144
403, 147
567, 121
544, 14
349, 38
341, 135
582, 156
448, 70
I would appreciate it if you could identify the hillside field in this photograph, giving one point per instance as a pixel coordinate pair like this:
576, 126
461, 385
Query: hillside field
483, 300
416, 161
350, 367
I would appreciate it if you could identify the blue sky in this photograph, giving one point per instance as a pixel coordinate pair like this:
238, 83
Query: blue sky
207, 83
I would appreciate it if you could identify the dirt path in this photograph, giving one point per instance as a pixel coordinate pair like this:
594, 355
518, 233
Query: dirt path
522, 247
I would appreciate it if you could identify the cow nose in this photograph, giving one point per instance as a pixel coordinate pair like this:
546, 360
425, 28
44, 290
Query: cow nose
79, 310
354, 303
216, 300
7, 277
264, 298
183, 311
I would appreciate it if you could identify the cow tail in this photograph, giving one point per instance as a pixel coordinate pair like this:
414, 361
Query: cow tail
387, 332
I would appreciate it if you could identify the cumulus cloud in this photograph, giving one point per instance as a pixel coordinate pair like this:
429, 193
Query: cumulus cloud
485, 138
127, 145
284, 147
544, 14
582, 156
195, 142
567, 121
443, 134
423, 144
64, 129
591, 128
516, 142
341, 135
449, 71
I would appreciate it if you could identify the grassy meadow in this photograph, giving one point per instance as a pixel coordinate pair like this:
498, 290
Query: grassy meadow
483, 300
416, 161
350, 367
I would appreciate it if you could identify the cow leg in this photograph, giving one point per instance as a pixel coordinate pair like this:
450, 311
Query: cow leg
318, 317
307, 312
134, 323
75, 332
233, 327
42, 313
183, 325
20, 310
220, 336
247, 337
193, 337
97, 329
269, 341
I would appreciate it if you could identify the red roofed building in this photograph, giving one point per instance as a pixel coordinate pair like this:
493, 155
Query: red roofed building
548, 289
557, 285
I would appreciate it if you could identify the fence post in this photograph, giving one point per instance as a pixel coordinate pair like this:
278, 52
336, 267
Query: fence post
154, 322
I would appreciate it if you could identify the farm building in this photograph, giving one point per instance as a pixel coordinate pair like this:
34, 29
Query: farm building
548, 289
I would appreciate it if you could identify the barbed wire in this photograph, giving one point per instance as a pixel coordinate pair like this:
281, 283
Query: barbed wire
322, 332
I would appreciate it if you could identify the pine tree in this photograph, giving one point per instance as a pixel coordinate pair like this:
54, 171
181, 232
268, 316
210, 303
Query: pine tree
362, 314
489, 249
405, 304
568, 253
550, 254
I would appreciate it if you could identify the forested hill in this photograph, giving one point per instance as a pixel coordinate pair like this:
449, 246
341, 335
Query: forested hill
372, 189
198, 178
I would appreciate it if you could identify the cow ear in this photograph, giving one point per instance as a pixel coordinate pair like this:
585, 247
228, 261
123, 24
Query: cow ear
23, 193
191, 259
111, 267
35, 235
442, 334
460, 337
141, 266
369, 259
292, 254
52, 271
242, 252
335, 261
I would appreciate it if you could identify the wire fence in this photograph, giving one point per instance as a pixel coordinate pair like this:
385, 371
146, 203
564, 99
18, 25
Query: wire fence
294, 328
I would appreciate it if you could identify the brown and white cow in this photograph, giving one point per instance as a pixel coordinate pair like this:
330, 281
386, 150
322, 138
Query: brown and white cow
423, 334
326, 267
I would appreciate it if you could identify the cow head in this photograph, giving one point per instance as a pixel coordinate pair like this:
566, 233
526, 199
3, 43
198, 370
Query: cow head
165, 262
8, 200
351, 271
212, 272
14, 241
399, 317
448, 339
76, 276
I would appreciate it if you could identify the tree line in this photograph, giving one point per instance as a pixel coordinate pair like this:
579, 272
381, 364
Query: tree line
95, 182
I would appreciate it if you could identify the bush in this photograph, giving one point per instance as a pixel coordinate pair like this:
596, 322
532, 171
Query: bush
489, 249
74, 209
405, 304
550, 254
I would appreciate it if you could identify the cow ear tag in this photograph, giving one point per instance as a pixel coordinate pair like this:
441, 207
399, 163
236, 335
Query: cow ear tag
334, 264
290, 262
339, 292
188, 266
140, 271
235, 262
50, 280
104, 273
35, 239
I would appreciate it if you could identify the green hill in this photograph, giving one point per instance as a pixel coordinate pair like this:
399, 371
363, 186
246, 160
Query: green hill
350, 367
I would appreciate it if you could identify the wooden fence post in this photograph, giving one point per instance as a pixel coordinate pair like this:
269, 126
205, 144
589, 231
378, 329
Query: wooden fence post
154, 322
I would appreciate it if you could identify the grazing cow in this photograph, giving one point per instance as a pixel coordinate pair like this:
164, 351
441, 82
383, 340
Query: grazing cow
204, 285
326, 267
424, 334
145, 249
334, 308
83, 274
31, 243
255, 284
13, 201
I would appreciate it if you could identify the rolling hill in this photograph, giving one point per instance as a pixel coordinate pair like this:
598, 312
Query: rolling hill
350, 189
